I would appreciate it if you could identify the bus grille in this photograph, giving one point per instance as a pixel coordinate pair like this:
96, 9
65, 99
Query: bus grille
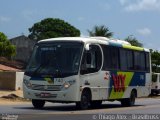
46, 87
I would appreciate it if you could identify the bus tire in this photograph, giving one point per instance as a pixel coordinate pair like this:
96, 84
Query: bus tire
96, 104
85, 101
157, 92
38, 104
127, 102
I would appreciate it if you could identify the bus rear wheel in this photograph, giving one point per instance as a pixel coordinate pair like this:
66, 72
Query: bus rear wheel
129, 101
38, 104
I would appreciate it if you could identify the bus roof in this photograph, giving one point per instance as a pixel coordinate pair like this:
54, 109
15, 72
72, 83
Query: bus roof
98, 40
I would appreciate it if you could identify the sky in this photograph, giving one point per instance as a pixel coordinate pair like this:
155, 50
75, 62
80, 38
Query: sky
123, 17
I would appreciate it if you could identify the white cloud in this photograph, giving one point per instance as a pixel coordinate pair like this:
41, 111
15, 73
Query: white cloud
144, 31
106, 6
4, 19
81, 18
103, 6
141, 5
29, 14
83, 35
123, 2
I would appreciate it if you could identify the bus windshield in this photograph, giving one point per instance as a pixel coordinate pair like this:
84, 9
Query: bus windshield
59, 59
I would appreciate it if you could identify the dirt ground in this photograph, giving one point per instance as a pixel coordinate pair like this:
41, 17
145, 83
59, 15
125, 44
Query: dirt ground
12, 97
7, 92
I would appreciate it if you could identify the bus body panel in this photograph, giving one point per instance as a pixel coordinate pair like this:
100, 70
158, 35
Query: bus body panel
94, 81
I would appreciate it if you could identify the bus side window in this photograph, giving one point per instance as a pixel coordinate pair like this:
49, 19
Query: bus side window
92, 60
126, 59
139, 61
111, 58
147, 62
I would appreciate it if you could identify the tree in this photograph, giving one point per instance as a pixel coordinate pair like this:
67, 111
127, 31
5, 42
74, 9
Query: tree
100, 31
133, 41
6, 48
155, 58
51, 28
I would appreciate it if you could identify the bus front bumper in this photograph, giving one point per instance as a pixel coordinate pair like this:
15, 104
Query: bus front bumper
57, 96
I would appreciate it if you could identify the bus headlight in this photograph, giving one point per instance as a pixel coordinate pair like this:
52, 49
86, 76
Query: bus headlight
68, 84
27, 83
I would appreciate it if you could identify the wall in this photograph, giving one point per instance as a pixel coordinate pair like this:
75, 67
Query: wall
24, 47
11, 80
19, 80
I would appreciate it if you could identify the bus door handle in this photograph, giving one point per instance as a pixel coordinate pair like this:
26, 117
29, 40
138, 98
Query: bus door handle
86, 82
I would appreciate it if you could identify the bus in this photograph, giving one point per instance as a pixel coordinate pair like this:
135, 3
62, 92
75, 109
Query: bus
155, 89
87, 71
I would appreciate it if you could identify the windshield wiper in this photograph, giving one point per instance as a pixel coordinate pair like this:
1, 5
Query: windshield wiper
38, 69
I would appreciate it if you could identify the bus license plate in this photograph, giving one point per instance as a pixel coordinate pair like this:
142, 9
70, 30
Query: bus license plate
45, 94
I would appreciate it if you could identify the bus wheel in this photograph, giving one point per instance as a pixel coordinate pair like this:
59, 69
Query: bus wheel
96, 104
157, 92
129, 101
85, 101
38, 104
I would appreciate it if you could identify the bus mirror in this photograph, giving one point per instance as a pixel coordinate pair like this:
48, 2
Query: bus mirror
87, 47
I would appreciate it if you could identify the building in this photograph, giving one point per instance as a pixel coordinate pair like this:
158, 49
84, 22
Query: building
24, 47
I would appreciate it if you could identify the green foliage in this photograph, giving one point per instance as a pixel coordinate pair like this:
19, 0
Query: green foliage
154, 78
6, 48
100, 31
133, 41
155, 56
51, 28
3, 38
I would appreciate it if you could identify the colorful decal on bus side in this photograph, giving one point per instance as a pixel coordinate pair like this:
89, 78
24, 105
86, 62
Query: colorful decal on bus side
133, 47
126, 46
120, 81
